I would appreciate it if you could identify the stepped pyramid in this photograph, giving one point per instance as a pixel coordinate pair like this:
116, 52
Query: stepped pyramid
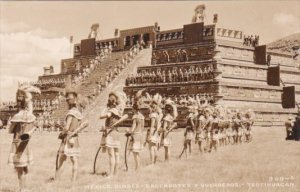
242, 79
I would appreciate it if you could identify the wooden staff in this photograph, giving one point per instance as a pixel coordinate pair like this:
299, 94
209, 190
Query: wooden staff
128, 135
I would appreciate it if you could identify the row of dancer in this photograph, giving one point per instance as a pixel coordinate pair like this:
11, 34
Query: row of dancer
162, 123
215, 126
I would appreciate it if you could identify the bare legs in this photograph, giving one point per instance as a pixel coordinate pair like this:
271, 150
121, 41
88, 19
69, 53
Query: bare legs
189, 145
117, 160
207, 144
213, 144
136, 156
114, 158
74, 161
167, 153
22, 172
153, 152
235, 138
201, 147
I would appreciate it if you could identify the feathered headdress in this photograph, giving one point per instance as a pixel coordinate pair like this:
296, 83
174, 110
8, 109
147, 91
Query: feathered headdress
192, 104
71, 89
121, 102
202, 6
172, 104
138, 101
28, 90
198, 100
157, 98
81, 101
208, 110
191, 101
26, 115
183, 102
219, 110
250, 113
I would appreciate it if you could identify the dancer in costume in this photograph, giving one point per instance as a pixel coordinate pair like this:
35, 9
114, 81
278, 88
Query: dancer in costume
69, 146
135, 144
110, 139
248, 122
152, 136
168, 125
22, 126
190, 127
200, 131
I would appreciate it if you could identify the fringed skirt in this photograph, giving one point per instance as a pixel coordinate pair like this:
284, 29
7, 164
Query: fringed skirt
152, 138
111, 141
135, 143
201, 135
70, 148
189, 135
167, 141
215, 136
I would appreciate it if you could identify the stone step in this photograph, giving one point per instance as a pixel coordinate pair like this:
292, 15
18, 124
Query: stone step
86, 87
92, 113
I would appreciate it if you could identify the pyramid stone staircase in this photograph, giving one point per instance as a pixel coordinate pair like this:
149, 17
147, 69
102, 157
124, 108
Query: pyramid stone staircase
93, 112
86, 88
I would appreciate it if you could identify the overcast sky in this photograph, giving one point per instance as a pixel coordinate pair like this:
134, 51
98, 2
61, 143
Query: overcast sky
36, 34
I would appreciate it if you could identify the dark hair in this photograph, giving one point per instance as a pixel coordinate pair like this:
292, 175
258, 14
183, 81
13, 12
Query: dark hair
22, 104
72, 105
168, 108
136, 106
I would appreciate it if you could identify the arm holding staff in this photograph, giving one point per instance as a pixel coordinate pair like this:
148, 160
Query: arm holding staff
82, 126
110, 141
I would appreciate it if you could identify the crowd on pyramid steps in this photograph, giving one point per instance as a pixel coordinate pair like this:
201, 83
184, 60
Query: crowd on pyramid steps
5, 105
181, 100
251, 41
112, 73
51, 82
45, 105
169, 36
179, 74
